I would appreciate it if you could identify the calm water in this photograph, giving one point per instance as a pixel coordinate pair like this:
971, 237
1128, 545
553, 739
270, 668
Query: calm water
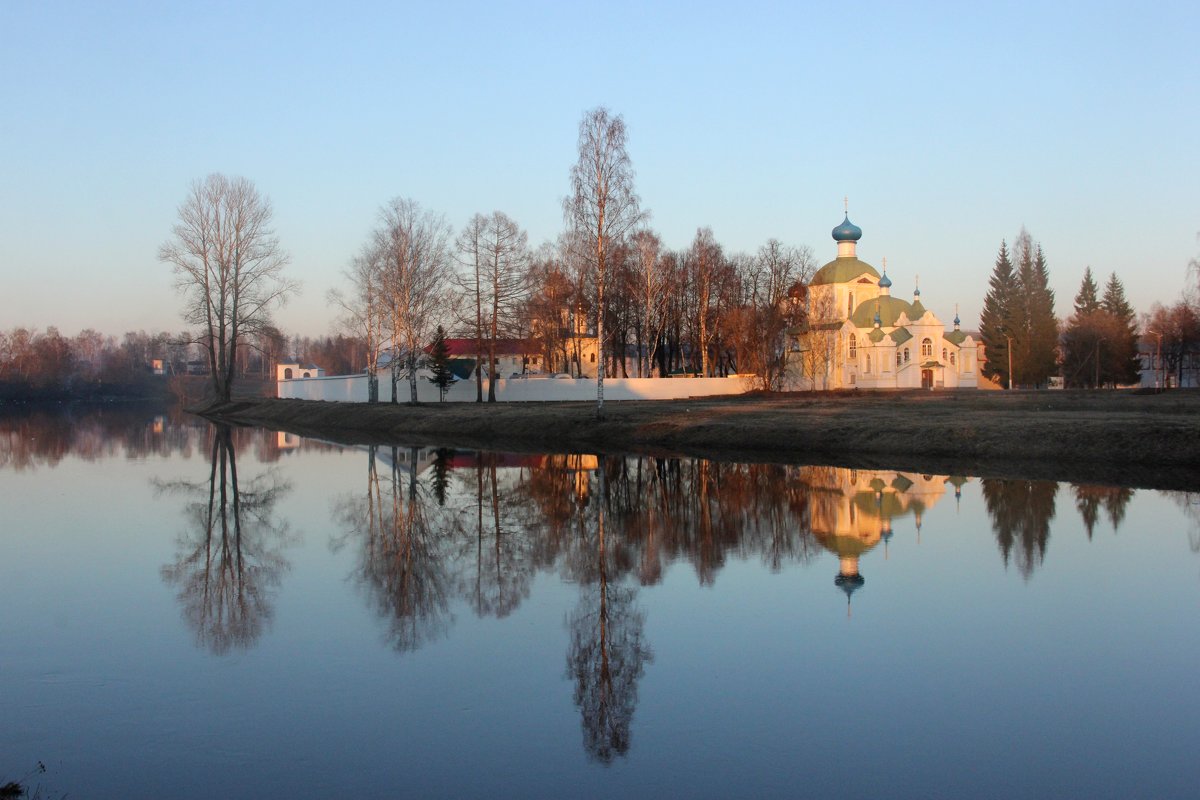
196, 612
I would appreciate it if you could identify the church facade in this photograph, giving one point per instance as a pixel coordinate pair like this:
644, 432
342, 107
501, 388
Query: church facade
859, 336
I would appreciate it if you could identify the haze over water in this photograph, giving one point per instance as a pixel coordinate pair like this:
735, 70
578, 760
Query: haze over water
191, 611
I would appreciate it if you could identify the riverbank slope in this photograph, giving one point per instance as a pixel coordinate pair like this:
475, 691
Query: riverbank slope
1126, 438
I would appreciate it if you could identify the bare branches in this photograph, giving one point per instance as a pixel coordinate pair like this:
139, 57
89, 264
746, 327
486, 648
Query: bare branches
228, 266
602, 208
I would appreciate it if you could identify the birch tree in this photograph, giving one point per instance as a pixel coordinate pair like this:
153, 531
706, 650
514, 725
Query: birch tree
652, 284
602, 209
229, 269
470, 281
414, 257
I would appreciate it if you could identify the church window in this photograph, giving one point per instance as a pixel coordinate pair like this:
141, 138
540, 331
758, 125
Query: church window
868, 362
906, 355
850, 304
952, 359
853, 345
897, 358
943, 354
287, 374
926, 347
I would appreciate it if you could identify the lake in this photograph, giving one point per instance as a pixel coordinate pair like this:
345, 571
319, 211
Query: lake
195, 611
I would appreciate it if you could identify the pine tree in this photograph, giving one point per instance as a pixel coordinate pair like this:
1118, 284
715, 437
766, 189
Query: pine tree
995, 323
1086, 329
439, 363
1088, 299
1122, 365
1042, 355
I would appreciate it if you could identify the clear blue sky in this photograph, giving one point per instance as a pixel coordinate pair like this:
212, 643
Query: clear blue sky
949, 126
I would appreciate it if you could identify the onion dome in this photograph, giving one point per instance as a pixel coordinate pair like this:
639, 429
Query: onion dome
917, 292
885, 282
847, 231
849, 583
957, 321
878, 321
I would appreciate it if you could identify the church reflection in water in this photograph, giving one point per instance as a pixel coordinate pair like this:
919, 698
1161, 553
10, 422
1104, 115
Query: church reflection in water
853, 511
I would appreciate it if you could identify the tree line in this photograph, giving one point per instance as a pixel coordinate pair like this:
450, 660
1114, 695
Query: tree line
607, 278
1098, 345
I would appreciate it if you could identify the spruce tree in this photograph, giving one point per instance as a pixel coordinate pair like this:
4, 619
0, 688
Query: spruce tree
1042, 324
439, 363
995, 323
1088, 299
1082, 338
1122, 365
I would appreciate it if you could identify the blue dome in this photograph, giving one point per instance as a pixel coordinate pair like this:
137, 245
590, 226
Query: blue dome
847, 231
917, 291
885, 282
957, 321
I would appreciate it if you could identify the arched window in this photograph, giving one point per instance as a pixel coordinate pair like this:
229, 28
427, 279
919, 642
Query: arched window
897, 358
850, 304
853, 345
906, 355
287, 374
307, 374
926, 347
868, 362
952, 359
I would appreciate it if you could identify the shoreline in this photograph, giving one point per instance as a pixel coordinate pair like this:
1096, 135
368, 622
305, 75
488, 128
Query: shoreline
1123, 438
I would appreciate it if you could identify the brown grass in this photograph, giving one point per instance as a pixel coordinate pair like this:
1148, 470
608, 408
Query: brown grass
1126, 438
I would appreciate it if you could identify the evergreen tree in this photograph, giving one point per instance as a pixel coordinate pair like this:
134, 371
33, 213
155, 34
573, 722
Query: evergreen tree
995, 323
1034, 328
1122, 365
439, 363
1087, 328
1042, 355
1088, 299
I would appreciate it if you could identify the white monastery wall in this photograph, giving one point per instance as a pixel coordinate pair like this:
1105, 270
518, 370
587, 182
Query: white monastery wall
353, 389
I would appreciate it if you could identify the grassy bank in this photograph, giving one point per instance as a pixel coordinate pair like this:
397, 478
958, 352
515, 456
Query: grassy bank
1124, 438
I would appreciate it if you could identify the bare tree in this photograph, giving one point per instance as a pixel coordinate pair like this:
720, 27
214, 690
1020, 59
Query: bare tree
706, 260
413, 247
499, 251
363, 310
767, 313
602, 208
653, 276
228, 267
470, 255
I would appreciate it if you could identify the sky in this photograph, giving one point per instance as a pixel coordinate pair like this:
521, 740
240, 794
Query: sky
948, 126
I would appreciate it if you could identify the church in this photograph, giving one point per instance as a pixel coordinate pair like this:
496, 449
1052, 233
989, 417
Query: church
859, 336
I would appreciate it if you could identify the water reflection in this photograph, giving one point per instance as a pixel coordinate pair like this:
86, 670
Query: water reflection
1021, 512
1089, 500
403, 555
230, 557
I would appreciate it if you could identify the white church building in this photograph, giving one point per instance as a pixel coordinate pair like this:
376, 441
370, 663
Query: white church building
860, 336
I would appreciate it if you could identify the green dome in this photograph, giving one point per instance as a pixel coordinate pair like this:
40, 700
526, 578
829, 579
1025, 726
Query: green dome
890, 309
843, 270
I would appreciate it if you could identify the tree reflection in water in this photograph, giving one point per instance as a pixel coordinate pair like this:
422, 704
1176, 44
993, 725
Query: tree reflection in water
230, 557
1090, 499
1021, 512
440, 527
607, 654
403, 560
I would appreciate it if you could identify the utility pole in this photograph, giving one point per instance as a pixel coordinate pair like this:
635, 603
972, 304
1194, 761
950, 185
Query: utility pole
1162, 380
1009, 338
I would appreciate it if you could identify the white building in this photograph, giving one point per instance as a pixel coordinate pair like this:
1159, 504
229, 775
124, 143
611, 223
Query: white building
287, 372
860, 336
